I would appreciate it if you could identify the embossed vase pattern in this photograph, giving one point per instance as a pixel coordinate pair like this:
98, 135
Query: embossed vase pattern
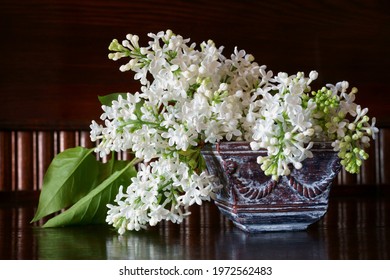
257, 203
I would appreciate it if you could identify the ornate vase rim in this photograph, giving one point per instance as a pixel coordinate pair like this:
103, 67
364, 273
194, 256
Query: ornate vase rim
244, 146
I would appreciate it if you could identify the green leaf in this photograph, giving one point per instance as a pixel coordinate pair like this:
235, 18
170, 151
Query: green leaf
92, 208
71, 175
107, 99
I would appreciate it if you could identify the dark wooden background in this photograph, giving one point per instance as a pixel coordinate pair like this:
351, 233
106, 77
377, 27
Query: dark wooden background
53, 61
54, 53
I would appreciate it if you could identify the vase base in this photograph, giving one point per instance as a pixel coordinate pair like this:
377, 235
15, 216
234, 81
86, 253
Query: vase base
273, 218
271, 228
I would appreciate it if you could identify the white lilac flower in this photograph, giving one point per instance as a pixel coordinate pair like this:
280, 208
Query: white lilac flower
96, 131
373, 130
213, 132
284, 124
147, 143
158, 214
180, 137
160, 191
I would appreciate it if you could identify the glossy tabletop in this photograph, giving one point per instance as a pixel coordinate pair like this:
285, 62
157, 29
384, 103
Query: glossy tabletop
355, 227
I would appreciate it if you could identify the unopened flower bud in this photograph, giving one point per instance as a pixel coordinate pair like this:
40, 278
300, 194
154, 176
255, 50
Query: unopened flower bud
355, 137
351, 126
250, 57
255, 146
313, 75
223, 86
309, 132
365, 139
274, 141
297, 165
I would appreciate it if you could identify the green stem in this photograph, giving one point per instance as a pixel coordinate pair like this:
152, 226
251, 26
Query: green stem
139, 123
133, 162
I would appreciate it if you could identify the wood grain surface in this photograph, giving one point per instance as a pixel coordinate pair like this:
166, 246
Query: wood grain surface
54, 53
354, 228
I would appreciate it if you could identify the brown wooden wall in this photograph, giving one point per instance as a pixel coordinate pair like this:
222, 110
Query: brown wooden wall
53, 62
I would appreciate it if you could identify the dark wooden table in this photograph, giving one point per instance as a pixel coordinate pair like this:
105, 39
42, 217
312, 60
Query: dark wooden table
355, 227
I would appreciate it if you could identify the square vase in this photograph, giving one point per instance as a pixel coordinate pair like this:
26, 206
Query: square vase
257, 203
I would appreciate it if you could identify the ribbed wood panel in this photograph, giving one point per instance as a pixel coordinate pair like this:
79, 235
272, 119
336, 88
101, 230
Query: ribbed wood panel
7, 160
384, 156
26, 155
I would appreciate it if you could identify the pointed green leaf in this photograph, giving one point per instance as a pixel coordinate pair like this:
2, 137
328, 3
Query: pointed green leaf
92, 208
107, 99
71, 175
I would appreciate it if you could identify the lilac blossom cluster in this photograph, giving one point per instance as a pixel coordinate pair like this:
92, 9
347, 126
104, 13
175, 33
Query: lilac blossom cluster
192, 96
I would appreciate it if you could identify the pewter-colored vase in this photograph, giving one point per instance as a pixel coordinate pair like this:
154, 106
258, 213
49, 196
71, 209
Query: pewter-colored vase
257, 203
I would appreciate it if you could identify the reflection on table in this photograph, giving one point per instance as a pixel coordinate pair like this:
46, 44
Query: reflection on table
353, 228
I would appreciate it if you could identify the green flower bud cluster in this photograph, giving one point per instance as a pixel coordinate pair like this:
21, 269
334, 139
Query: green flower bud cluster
325, 113
351, 157
270, 165
352, 146
282, 153
129, 48
115, 46
325, 100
